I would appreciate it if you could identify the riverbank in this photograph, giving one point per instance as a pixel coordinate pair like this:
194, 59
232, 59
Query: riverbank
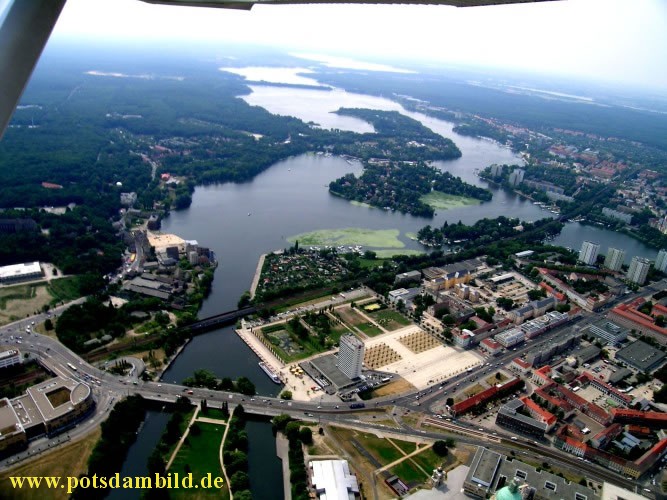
258, 273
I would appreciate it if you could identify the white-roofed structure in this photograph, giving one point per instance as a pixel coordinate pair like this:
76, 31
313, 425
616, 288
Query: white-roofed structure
332, 480
20, 272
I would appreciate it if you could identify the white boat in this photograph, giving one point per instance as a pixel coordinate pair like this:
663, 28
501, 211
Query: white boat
270, 373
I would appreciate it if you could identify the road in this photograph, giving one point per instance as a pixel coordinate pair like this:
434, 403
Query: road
108, 388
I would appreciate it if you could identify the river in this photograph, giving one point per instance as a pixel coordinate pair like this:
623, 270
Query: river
242, 221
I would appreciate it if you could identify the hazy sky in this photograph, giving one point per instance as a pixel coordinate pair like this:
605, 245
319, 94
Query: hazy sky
619, 41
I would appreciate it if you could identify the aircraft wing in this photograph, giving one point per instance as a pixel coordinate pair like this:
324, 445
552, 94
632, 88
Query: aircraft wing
248, 4
25, 27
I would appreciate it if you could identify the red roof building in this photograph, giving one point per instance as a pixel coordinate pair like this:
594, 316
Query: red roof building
539, 413
542, 376
588, 378
491, 346
519, 365
484, 397
627, 315
646, 418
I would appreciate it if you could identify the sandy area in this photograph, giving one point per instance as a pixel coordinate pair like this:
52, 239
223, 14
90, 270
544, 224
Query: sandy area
433, 365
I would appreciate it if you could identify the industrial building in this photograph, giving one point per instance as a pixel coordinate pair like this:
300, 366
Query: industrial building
641, 356
350, 356
614, 259
638, 270
20, 272
589, 252
332, 480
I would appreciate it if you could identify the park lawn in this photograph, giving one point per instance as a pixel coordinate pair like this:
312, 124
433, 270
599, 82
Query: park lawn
64, 289
409, 473
380, 448
389, 319
371, 263
369, 329
443, 201
492, 380
215, 413
68, 460
201, 455
429, 460
406, 446
471, 391
387, 253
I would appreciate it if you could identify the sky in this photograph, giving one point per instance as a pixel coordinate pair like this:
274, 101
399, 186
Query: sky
613, 41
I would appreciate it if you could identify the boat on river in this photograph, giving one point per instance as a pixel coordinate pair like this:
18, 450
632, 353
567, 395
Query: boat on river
270, 372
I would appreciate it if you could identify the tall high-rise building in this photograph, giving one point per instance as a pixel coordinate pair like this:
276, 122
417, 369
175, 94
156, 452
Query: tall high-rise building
661, 261
638, 270
589, 252
516, 177
350, 356
614, 259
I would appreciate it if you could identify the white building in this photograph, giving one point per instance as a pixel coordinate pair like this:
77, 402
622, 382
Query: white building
510, 338
589, 252
332, 480
10, 358
638, 270
350, 356
20, 272
516, 177
614, 259
661, 261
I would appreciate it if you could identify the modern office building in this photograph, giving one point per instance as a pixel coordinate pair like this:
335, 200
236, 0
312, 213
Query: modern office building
589, 252
638, 270
608, 331
614, 259
661, 261
350, 356
10, 358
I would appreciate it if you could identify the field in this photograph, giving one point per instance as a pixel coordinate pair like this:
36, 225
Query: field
395, 387
442, 201
68, 460
390, 320
381, 238
200, 454
19, 301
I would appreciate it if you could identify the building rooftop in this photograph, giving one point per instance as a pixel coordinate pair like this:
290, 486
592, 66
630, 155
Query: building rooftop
160, 241
18, 270
332, 479
9, 421
57, 396
8, 354
641, 355
484, 467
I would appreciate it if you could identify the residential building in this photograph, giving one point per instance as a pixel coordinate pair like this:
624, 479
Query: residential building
615, 214
520, 366
9, 358
614, 259
350, 356
332, 479
409, 277
661, 261
589, 252
490, 346
629, 316
510, 416
516, 177
485, 396
638, 270
463, 338
636, 417
542, 376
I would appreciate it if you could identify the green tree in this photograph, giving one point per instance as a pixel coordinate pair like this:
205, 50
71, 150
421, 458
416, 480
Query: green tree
245, 386
286, 394
440, 448
306, 435
239, 481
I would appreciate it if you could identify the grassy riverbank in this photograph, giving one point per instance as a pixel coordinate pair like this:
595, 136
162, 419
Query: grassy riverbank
443, 201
